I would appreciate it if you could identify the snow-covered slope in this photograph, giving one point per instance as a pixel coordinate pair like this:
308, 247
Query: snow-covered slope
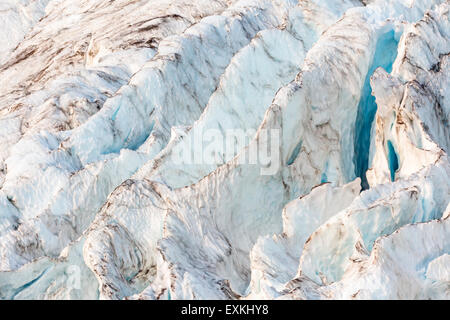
105, 192
17, 19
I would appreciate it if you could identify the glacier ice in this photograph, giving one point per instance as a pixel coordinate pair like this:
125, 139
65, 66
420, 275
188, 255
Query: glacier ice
95, 203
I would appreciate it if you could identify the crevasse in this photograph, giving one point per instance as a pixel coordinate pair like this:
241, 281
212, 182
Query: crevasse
385, 54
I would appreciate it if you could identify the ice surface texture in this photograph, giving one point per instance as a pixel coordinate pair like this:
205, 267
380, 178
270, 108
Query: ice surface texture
94, 204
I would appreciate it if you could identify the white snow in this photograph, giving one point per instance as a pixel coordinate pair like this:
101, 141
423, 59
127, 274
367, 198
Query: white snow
95, 203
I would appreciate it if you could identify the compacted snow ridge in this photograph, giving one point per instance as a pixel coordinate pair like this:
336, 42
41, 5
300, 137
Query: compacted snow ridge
350, 97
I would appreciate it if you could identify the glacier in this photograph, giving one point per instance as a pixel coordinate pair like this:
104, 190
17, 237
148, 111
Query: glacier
106, 194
